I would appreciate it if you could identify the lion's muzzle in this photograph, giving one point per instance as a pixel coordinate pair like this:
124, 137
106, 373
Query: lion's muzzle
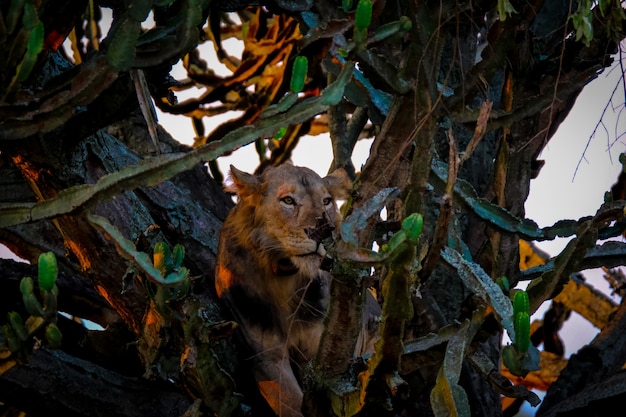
322, 230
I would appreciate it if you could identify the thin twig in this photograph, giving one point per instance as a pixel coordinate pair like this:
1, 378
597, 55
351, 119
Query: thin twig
479, 131
600, 122
146, 105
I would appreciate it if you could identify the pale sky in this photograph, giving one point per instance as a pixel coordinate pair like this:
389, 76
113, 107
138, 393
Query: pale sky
558, 194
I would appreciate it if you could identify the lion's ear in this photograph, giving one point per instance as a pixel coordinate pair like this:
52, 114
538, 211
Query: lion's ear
338, 184
242, 183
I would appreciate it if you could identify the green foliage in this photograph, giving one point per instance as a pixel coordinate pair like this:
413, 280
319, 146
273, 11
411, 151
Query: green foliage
412, 225
507, 222
281, 133
47, 275
121, 46
298, 74
175, 283
363, 16
362, 20
11, 341
408, 234
521, 357
25, 43
13, 15
521, 363
53, 336
521, 304
17, 333
165, 279
397, 309
155, 170
503, 283
505, 9
166, 261
611, 15
582, 20
33, 49
522, 331
47, 270
31, 303
16, 323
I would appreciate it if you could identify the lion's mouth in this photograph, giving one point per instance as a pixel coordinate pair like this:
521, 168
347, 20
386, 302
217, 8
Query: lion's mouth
327, 261
320, 251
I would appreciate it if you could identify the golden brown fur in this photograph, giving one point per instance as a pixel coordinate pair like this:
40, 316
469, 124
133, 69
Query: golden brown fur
269, 271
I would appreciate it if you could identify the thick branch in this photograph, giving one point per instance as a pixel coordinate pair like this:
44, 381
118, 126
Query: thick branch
589, 368
54, 383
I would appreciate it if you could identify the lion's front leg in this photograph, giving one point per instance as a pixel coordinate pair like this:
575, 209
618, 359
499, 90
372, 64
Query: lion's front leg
280, 389
277, 382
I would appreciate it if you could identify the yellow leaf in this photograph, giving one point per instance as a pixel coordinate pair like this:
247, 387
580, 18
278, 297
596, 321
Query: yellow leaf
588, 302
528, 257
6, 365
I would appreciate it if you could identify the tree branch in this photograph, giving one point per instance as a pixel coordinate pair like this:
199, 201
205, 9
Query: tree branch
590, 369
55, 383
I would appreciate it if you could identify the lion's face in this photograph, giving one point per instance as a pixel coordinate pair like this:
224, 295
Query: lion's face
294, 211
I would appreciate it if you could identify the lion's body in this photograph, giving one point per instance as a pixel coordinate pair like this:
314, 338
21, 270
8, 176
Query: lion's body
269, 271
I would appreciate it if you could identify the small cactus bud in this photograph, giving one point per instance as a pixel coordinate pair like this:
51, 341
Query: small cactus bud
53, 336
48, 271
363, 16
522, 331
412, 225
298, 74
521, 303
17, 323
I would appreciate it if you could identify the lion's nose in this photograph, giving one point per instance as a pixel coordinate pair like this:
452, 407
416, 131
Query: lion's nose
322, 230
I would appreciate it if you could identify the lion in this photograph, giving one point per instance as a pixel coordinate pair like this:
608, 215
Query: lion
271, 271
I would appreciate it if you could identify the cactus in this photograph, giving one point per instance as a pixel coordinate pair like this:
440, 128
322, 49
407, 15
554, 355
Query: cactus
47, 271
521, 320
503, 283
521, 303
412, 226
53, 336
31, 303
363, 16
397, 308
174, 283
298, 74
178, 256
11, 339
521, 357
409, 233
362, 20
522, 331
18, 331
17, 323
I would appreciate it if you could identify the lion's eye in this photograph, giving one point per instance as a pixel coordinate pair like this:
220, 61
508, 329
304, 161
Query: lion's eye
327, 201
288, 200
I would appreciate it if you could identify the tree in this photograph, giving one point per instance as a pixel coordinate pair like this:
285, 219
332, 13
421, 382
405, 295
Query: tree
460, 98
